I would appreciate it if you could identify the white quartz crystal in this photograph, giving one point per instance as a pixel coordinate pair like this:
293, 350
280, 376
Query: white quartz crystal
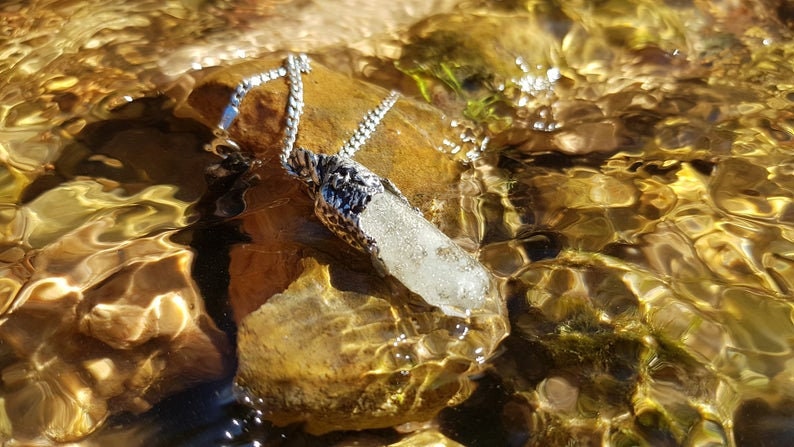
424, 259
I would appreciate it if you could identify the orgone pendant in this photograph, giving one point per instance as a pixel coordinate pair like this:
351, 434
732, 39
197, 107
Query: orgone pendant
368, 211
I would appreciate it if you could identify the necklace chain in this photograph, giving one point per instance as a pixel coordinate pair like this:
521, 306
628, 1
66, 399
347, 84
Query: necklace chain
294, 66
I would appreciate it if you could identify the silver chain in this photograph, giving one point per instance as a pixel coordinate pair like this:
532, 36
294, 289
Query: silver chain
368, 125
232, 110
294, 105
294, 66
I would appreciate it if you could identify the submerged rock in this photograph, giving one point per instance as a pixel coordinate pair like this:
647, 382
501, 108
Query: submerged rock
410, 148
323, 339
102, 319
616, 354
355, 359
129, 337
427, 438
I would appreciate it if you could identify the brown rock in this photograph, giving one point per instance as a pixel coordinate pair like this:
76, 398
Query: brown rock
102, 327
334, 345
406, 148
341, 359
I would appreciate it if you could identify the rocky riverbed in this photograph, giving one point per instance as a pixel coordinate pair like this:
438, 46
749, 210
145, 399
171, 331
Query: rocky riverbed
621, 169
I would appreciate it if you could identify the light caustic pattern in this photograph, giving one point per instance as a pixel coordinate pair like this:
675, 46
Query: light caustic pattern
636, 191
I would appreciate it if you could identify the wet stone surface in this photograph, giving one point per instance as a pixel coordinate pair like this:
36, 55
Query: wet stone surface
374, 354
633, 200
279, 213
368, 360
101, 313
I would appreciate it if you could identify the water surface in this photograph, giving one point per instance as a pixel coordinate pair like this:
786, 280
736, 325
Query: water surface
629, 182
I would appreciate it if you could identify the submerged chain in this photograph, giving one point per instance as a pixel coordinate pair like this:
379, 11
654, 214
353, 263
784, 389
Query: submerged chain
368, 125
342, 188
294, 66
311, 168
222, 142
233, 108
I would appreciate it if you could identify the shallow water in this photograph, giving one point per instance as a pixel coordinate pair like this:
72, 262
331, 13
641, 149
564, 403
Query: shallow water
628, 181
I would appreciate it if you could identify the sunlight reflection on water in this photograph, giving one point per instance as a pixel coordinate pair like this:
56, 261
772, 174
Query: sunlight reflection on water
635, 198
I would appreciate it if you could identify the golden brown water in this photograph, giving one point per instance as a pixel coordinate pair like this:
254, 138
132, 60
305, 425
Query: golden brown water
634, 197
